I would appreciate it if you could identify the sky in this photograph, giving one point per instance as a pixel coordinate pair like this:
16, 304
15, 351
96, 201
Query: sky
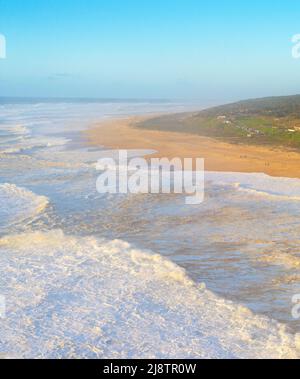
183, 49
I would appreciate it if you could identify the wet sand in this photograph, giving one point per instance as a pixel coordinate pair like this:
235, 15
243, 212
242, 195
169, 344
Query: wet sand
218, 155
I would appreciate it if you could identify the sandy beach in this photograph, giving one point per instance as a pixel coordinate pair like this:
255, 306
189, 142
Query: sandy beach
218, 155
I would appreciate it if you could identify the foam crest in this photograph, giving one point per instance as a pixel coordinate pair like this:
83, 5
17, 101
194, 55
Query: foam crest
19, 129
18, 205
274, 188
31, 143
87, 297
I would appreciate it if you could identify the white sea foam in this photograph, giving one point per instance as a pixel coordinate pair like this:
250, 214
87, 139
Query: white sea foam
14, 129
18, 205
31, 143
85, 155
275, 188
268, 194
83, 297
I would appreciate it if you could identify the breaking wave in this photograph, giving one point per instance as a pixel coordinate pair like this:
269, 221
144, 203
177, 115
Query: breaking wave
71, 297
18, 205
274, 188
31, 143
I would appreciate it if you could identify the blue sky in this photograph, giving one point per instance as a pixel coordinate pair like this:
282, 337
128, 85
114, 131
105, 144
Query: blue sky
207, 50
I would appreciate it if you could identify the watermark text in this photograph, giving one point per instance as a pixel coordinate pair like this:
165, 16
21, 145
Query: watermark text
121, 175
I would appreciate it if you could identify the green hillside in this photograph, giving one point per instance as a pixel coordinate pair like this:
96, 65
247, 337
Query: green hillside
271, 121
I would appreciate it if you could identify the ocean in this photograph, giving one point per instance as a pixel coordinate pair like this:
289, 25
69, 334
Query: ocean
89, 275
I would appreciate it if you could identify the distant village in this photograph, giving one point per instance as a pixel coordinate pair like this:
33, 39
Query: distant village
251, 131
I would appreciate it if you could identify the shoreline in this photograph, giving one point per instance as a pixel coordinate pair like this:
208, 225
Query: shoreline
219, 156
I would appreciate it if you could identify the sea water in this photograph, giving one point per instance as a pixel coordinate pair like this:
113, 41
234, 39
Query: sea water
95, 275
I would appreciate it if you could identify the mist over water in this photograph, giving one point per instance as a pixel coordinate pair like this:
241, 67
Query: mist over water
90, 275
